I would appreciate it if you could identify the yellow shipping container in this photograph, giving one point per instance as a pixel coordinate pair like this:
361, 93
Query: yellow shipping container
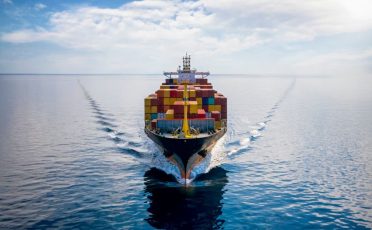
175, 80
179, 99
200, 106
217, 124
164, 87
166, 92
211, 108
169, 114
147, 109
172, 100
154, 109
147, 101
193, 107
199, 100
192, 93
166, 101
147, 116
217, 108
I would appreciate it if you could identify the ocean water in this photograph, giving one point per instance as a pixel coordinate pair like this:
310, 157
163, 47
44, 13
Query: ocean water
297, 155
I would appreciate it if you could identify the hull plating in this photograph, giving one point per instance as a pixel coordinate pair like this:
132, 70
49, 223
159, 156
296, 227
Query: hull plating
185, 153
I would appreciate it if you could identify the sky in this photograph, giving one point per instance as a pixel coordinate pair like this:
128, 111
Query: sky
312, 37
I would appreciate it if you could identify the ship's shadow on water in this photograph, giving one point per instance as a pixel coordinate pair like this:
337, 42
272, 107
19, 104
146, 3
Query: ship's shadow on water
197, 206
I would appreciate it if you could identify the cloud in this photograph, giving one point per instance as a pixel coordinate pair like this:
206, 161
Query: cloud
205, 28
39, 6
205, 25
7, 1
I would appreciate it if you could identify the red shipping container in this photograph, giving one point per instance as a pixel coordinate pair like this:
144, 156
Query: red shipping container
154, 101
205, 107
160, 93
223, 115
173, 93
207, 92
223, 108
153, 124
199, 93
161, 109
178, 107
201, 113
217, 100
160, 101
202, 81
223, 101
206, 86
216, 115
180, 93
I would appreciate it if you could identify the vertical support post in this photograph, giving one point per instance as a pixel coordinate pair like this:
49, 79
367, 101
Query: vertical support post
185, 126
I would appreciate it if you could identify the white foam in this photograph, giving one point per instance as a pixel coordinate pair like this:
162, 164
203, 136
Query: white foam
262, 124
122, 145
159, 161
255, 133
244, 141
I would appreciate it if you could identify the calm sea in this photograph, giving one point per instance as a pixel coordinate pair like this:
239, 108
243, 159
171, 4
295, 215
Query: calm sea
297, 154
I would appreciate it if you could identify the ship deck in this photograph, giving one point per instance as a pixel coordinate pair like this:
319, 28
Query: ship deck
171, 136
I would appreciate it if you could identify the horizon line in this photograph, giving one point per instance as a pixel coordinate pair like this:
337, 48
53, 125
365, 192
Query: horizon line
118, 74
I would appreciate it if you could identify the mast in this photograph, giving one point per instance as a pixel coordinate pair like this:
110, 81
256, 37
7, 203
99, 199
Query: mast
186, 76
185, 82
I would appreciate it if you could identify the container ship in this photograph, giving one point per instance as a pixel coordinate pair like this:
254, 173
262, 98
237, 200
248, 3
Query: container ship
185, 117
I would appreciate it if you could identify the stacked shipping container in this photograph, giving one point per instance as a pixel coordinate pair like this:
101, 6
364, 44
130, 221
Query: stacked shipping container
205, 104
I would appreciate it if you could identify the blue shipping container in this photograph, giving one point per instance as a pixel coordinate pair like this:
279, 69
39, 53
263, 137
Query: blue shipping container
154, 116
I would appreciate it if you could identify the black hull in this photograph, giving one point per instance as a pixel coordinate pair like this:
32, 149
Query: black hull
186, 153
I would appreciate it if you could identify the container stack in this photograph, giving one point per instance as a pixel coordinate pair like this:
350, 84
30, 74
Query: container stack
206, 106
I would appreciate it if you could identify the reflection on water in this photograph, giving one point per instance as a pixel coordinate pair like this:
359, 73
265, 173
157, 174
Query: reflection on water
173, 206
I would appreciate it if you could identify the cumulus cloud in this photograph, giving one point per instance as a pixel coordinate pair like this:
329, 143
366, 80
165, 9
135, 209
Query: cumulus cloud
203, 27
40, 6
7, 1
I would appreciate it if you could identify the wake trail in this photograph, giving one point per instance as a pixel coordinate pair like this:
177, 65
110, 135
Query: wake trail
240, 143
126, 143
122, 140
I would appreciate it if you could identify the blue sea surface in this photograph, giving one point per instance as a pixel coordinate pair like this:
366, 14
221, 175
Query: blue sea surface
297, 154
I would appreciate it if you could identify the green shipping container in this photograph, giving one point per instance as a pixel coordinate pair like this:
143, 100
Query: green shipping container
154, 116
211, 101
